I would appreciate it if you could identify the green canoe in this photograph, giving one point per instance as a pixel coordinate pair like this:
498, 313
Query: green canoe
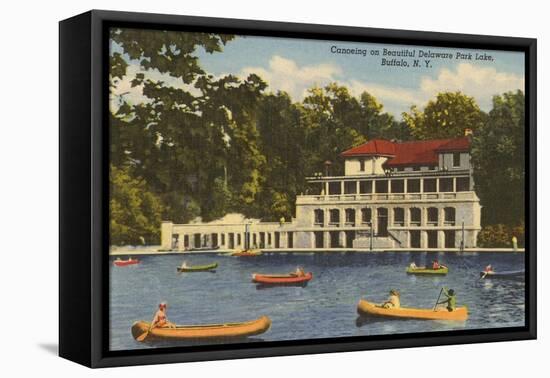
198, 268
427, 271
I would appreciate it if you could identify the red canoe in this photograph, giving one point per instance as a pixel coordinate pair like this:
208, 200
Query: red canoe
126, 262
281, 278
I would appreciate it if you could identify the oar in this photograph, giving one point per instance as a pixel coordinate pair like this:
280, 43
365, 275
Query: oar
144, 335
439, 296
483, 276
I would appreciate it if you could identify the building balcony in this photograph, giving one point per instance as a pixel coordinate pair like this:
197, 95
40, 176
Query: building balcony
384, 197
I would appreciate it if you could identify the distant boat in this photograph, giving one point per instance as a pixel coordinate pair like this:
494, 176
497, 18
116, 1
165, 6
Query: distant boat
510, 274
202, 332
281, 279
196, 249
428, 271
367, 308
130, 261
198, 268
247, 253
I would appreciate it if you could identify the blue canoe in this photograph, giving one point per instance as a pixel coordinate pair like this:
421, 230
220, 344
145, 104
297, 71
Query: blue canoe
510, 274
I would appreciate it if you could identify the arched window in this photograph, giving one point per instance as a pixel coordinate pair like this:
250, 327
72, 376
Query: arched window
416, 216
399, 216
366, 215
433, 215
350, 217
450, 216
334, 217
319, 215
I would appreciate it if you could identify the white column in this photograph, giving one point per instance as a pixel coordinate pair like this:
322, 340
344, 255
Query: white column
423, 239
423, 216
342, 239
441, 239
166, 235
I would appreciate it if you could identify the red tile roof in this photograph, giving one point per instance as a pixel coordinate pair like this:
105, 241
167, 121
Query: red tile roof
375, 147
424, 152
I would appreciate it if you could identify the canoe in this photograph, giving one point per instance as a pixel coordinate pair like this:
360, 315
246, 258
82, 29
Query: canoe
249, 252
198, 268
204, 332
126, 262
367, 308
428, 271
511, 274
281, 279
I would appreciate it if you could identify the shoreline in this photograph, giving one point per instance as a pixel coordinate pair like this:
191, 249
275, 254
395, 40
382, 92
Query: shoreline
152, 251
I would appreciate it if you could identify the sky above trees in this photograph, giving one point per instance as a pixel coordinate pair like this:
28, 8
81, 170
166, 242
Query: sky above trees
295, 65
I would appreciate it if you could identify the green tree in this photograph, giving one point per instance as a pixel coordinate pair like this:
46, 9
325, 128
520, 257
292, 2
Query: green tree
374, 123
445, 117
329, 115
135, 212
282, 137
498, 156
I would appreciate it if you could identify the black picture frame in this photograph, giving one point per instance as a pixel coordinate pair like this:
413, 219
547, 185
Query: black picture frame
83, 196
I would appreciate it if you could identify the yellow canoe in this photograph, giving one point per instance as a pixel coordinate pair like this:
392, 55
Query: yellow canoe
367, 308
203, 332
426, 271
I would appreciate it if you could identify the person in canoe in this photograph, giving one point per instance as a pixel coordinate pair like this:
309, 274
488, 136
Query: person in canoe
160, 320
450, 300
436, 265
299, 272
393, 300
413, 265
183, 265
488, 269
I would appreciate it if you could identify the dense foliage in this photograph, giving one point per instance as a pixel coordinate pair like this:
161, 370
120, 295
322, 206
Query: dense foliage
224, 144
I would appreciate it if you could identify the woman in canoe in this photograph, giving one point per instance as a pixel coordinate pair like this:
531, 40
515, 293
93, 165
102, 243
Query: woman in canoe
300, 272
451, 299
393, 300
160, 320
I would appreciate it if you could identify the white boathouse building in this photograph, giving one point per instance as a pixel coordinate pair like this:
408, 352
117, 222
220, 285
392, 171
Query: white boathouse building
417, 194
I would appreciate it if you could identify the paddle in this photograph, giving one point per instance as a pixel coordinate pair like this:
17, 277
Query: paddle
439, 296
143, 335
483, 276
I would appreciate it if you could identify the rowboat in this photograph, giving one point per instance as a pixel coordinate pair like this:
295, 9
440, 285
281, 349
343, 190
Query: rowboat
203, 332
424, 270
281, 279
367, 308
247, 253
511, 274
198, 268
130, 261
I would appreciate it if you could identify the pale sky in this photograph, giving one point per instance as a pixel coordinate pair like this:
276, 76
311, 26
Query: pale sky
294, 65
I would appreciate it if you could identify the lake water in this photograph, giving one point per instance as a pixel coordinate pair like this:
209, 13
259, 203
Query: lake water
326, 307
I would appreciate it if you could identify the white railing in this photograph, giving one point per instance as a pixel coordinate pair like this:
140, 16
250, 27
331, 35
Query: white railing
312, 199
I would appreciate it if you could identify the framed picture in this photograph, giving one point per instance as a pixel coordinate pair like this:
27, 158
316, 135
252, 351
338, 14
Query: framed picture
233, 188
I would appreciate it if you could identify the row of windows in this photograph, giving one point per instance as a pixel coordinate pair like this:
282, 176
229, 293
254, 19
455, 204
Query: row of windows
415, 216
456, 164
398, 186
